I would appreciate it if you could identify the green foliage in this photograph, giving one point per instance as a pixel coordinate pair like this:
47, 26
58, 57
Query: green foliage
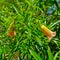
50, 55
0, 50
27, 14
35, 55
57, 56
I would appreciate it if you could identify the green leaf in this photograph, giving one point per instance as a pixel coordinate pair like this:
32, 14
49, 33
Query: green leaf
53, 24
50, 55
35, 55
0, 50
56, 55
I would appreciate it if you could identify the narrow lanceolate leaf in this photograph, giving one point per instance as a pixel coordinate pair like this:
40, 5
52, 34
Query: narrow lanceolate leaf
57, 55
53, 24
35, 55
50, 55
11, 27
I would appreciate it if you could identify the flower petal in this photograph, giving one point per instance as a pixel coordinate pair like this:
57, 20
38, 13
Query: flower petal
48, 32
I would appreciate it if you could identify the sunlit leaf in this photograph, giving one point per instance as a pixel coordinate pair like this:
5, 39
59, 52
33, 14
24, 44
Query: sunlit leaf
35, 55
50, 55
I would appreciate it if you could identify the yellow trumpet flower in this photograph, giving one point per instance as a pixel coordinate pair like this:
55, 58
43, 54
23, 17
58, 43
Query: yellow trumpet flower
48, 32
11, 30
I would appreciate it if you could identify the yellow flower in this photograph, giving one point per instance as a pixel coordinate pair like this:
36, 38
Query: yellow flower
11, 30
48, 32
